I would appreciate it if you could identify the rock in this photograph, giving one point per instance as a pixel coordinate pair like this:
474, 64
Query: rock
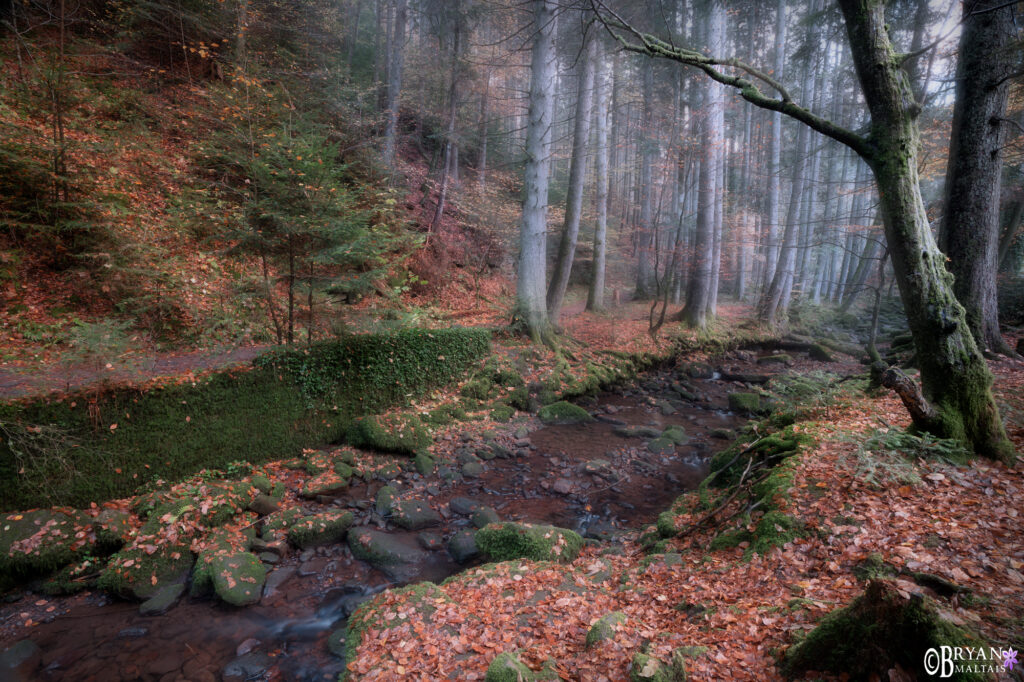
246, 667
269, 557
661, 446
325, 484
507, 541
598, 467
247, 646
746, 403
463, 505
744, 377
676, 434
20, 660
389, 472
506, 667
414, 515
564, 412
133, 633
646, 668
430, 541
665, 407
397, 432
386, 498
604, 628
162, 601
130, 573
396, 556
723, 434
638, 432
424, 463
820, 353
320, 529
698, 370
462, 546
336, 643
472, 469
40, 542
562, 486
779, 358
264, 505
238, 578
484, 516
275, 579
521, 433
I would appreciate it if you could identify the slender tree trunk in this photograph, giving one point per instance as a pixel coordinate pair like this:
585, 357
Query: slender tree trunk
447, 172
481, 166
395, 83
646, 286
595, 296
969, 235
775, 153
577, 174
530, 289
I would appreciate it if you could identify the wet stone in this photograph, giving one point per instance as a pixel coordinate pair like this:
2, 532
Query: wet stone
562, 486
414, 515
162, 602
462, 546
20, 660
472, 469
132, 633
246, 667
430, 541
485, 515
463, 505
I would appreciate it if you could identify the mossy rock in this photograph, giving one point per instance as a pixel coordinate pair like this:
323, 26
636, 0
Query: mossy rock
162, 601
385, 500
604, 628
638, 431
320, 529
279, 521
820, 353
424, 463
389, 471
676, 434
878, 630
414, 515
42, 541
646, 668
399, 433
238, 578
745, 403
478, 389
776, 359
775, 529
219, 543
20, 660
563, 412
444, 415
506, 667
730, 539
507, 541
395, 555
661, 446
328, 483
472, 469
874, 567
136, 572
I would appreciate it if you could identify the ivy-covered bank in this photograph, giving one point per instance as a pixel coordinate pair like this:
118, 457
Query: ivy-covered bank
91, 447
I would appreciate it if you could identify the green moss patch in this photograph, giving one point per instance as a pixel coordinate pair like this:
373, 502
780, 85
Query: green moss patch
879, 629
604, 628
238, 578
292, 399
399, 433
42, 541
320, 529
563, 412
506, 541
745, 403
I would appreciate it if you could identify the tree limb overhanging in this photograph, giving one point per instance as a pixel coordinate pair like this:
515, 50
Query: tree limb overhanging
652, 46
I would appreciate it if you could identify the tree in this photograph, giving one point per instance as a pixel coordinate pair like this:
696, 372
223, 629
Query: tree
531, 309
577, 173
955, 398
595, 295
395, 83
969, 234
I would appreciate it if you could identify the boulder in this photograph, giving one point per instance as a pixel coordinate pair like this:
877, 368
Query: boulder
604, 628
463, 506
320, 529
394, 555
400, 433
484, 516
238, 578
507, 541
564, 412
414, 515
462, 546
20, 660
162, 601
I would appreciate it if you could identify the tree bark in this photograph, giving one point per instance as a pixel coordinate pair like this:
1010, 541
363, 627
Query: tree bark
969, 235
531, 309
595, 296
395, 83
577, 174
775, 153
645, 273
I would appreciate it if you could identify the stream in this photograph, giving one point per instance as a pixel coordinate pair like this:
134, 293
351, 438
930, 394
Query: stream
598, 478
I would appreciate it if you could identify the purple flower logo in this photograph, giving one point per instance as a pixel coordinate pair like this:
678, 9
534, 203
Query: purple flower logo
1009, 659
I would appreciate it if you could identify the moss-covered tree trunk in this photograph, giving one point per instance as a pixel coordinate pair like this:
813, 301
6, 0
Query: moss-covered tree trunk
955, 380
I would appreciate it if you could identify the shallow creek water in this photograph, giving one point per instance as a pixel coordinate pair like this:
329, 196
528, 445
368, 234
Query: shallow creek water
284, 637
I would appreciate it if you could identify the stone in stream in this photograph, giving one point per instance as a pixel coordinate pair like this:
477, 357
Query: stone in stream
238, 578
472, 469
598, 467
336, 643
723, 434
564, 412
275, 579
386, 497
414, 515
20, 660
484, 516
562, 486
665, 407
508, 541
638, 431
676, 434
463, 505
662, 446
424, 464
320, 529
162, 602
430, 541
246, 667
462, 546
746, 403
395, 555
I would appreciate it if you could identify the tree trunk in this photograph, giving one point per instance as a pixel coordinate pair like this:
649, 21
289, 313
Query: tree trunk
530, 290
595, 296
577, 174
954, 377
969, 235
775, 154
395, 83
645, 273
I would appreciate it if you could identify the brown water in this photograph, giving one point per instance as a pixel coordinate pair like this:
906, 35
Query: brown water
92, 637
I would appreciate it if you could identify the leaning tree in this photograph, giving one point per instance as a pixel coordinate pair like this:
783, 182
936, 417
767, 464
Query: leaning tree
954, 399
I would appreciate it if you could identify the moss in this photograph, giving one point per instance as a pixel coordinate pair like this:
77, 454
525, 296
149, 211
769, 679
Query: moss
398, 433
137, 572
604, 628
503, 413
730, 539
676, 434
320, 529
878, 630
506, 667
238, 578
424, 463
775, 529
507, 541
666, 524
564, 413
444, 415
519, 399
385, 500
746, 403
42, 541
873, 567
282, 520
292, 399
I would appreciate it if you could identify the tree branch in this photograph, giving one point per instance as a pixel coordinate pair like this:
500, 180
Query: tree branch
652, 46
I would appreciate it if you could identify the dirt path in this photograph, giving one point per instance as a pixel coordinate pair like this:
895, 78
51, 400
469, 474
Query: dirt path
22, 382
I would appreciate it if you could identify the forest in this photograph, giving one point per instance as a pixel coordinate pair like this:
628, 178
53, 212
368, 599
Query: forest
511, 340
